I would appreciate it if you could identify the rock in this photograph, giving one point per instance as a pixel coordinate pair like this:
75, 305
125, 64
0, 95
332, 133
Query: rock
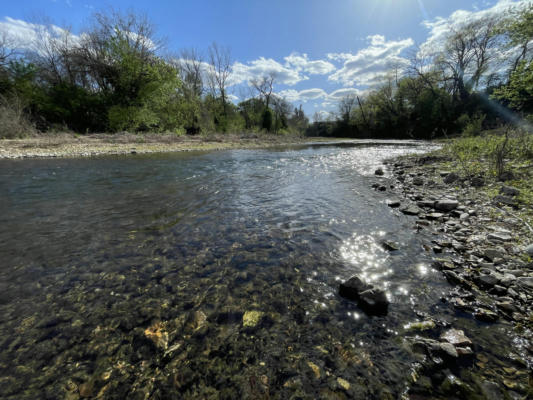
529, 250
411, 210
434, 216
446, 205
393, 203
86, 389
343, 384
352, 288
506, 176
382, 188
505, 200
157, 334
485, 315
509, 191
451, 178
390, 246
425, 203
374, 301
499, 237
525, 282
419, 326
448, 349
250, 319
491, 254
315, 368
418, 181
491, 390
477, 182
379, 172
456, 337
486, 281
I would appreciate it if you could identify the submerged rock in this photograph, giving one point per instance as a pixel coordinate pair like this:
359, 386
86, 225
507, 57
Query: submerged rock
158, 335
411, 210
379, 172
390, 246
393, 203
374, 301
420, 326
352, 288
250, 319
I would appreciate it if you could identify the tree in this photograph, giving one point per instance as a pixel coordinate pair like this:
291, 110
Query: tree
264, 86
220, 61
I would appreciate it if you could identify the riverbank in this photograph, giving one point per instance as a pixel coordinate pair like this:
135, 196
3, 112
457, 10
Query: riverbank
72, 145
483, 245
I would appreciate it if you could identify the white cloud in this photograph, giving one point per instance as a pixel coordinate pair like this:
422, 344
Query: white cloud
440, 29
341, 93
262, 67
301, 62
371, 64
302, 95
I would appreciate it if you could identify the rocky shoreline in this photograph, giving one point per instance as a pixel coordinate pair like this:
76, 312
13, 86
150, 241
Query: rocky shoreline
484, 250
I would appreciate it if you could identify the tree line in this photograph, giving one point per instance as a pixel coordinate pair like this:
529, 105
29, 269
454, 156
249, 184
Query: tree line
115, 76
465, 86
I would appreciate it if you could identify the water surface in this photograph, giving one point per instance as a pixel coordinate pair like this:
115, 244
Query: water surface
129, 276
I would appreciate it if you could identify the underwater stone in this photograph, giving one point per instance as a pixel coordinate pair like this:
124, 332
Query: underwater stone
251, 318
352, 287
374, 301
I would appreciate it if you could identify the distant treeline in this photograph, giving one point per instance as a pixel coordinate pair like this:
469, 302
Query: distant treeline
113, 77
465, 86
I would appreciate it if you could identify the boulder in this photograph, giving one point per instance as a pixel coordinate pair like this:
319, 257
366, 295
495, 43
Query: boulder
352, 288
529, 250
486, 281
505, 200
379, 172
499, 237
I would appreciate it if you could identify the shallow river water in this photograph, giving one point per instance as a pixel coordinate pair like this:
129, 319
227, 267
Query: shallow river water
211, 275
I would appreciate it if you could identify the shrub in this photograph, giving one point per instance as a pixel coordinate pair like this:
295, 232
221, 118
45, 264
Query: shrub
14, 122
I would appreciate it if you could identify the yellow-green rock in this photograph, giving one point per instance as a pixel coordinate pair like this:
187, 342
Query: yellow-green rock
251, 318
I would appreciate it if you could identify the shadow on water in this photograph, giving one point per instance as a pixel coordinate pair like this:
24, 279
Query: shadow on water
195, 275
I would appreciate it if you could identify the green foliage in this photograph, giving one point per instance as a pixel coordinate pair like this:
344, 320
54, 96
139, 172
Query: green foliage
518, 93
473, 126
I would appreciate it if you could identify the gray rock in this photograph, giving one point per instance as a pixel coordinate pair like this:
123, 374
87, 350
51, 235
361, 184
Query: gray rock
509, 191
529, 250
491, 254
485, 315
390, 246
499, 237
374, 301
393, 203
505, 200
525, 282
456, 337
411, 210
446, 205
379, 172
486, 281
448, 349
451, 178
418, 181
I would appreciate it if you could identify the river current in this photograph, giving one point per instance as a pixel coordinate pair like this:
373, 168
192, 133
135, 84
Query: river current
210, 275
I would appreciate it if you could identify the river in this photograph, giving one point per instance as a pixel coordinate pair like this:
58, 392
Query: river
207, 275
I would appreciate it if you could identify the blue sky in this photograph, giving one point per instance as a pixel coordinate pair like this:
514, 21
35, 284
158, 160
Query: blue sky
319, 50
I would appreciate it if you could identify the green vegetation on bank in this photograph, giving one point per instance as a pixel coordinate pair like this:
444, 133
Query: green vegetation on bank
115, 77
465, 86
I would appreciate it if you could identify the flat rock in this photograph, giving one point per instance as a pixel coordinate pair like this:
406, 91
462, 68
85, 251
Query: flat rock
446, 205
411, 210
456, 337
390, 246
352, 288
529, 250
485, 315
486, 281
499, 237
418, 181
525, 281
505, 200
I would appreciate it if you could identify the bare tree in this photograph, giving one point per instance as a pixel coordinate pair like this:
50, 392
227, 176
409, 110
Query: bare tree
346, 106
264, 86
7, 48
191, 67
220, 61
